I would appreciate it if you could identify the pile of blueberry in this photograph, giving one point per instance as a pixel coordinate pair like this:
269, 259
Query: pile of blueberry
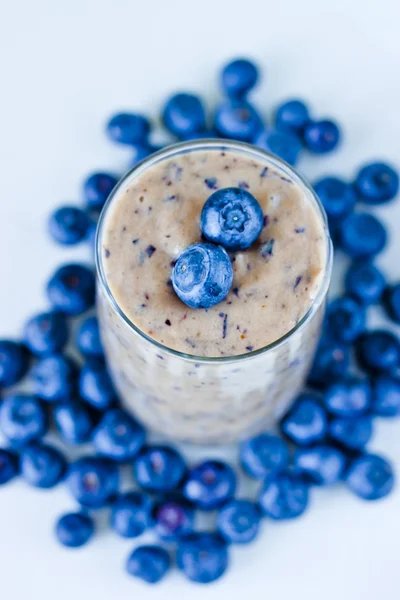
322, 439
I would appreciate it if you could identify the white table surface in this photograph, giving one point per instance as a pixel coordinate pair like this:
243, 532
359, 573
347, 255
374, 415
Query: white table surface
65, 66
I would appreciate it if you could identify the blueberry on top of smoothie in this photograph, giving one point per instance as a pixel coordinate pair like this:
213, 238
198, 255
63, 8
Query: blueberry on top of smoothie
233, 218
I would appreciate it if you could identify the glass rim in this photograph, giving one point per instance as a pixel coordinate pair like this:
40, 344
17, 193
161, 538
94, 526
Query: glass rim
212, 144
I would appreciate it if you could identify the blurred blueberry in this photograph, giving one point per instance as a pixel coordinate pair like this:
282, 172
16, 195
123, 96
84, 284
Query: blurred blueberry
96, 189
204, 134
88, 338
292, 116
93, 481
118, 436
364, 282
284, 144
319, 465
283, 496
68, 225
202, 557
55, 378
159, 469
378, 351
264, 455
131, 514
149, 563
345, 319
96, 387
238, 77
14, 362
362, 235
210, 484
46, 333
183, 114
128, 128
338, 197
321, 137
74, 422
377, 183
370, 477
391, 302
42, 465
386, 396
173, 519
9, 465
349, 397
239, 521
22, 419
331, 361
237, 120
74, 530
71, 289
306, 422
352, 433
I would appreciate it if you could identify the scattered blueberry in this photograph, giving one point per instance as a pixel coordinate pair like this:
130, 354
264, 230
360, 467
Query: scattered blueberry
365, 282
370, 477
237, 120
391, 302
338, 197
149, 563
173, 519
284, 496
128, 128
292, 116
54, 378
118, 436
22, 419
202, 557
331, 361
88, 338
184, 114
14, 362
210, 484
349, 397
346, 319
377, 183
362, 235
74, 530
71, 289
238, 77
9, 466
386, 396
131, 514
202, 275
321, 137
96, 387
284, 144
306, 422
142, 151
46, 333
320, 465
96, 189
264, 455
68, 225
352, 433
239, 521
42, 465
74, 422
378, 351
159, 469
93, 481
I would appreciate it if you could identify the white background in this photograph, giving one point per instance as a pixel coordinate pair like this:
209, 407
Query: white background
65, 66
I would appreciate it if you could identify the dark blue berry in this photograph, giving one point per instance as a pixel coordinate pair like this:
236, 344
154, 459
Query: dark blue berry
202, 275
386, 396
377, 183
202, 557
173, 519
338, 197
74, 530
68, 225
321, 137
284, 144
233, 218
238, 77
88, 338
210, 484
22, 419
159, 469
71, 289
345, 319
74, 422
118, 436
149, 563
264, 455
391, 302
320, 465
239, 521
55, 378
42, 465
348, 398
93, 481
362, 235
14, 362
131, 514
9, 466
46, 333
142, 151
292, 116
331, 361
96, 387
370, 477
237, 120
306, 422
379, 351
96, 189
352, 433
183, 114
128, 128
365, 282
284, 496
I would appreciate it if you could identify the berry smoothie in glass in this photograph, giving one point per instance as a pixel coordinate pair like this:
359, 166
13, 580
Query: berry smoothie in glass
231, 369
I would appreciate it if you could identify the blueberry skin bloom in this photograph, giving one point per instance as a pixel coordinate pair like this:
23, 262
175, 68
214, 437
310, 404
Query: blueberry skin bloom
377, 183
233, 218
74, 422
391, 302
202, 276
362, 235
238, 77
149, 563
131, 514
292, 116
346, 319
337, 197
321, 137
370, 477
88, 338
284, 497
128, 128
74, 530
378, 351
386, 396
352, 433
9, 466
239, 521
238, 120
284, 144
202, 557
14, 362
319, 465
173, 519
306, 422
96, 189
96, 387
183, 114
42, 465
264, 455
68, 225
118, 436
23, 419
71, 289
365, 282
93, 481
210, 485
348, 398
46, 333
159, 469
54, 378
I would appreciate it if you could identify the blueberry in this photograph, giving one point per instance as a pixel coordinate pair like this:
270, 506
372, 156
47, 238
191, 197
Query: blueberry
42, 465
377, 183
14, 362
128, 128
22, 419
351, 433
142, 151
238, 120
306, 422
54, 378
96, 189
74, 422
68, 225
159, 469
370, 477
319, 465
321, 137
239, 521
96, 387
74, 529
173, 519
71, 289
284, 144
378, 351
338, 197
292, 116
183, 114
386, 396
88, 338
264, 455
202, 275
391, 302
118, 436
149, 563
331, 361
210, 484
131, 514
345, 319
202, 557
364, 282
284, 496
238, 77
362, 235
348, 398
93, 481
46, 333
9, 466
